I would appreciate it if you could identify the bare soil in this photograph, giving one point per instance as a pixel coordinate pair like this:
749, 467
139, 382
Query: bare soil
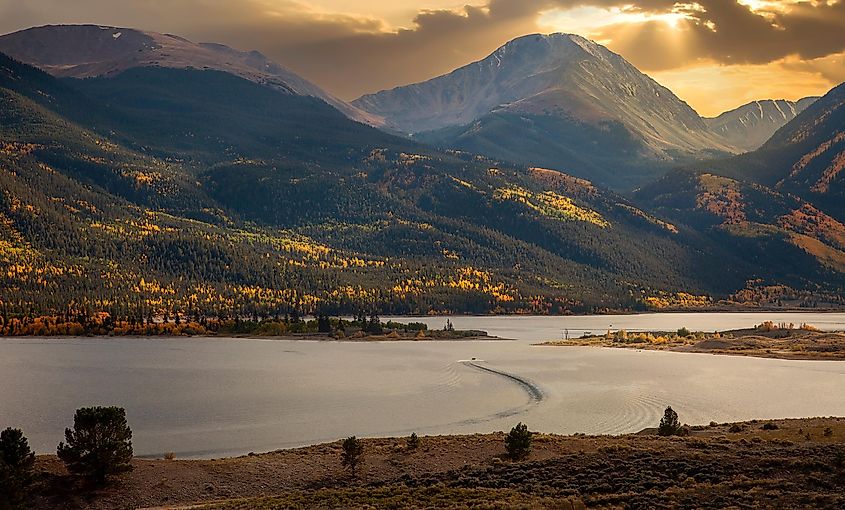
776, 464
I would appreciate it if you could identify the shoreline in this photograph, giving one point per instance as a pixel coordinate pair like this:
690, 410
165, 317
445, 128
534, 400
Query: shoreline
305, 337
767, 340
435, 333
642, 312
714, 462
636, 312
784, 357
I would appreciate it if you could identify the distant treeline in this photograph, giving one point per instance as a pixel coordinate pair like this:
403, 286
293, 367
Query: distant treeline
177, 325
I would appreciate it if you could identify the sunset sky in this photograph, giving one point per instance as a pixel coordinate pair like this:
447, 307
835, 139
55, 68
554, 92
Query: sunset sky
715, 54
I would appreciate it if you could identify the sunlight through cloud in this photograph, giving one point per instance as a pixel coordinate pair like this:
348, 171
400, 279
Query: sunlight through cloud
588, 19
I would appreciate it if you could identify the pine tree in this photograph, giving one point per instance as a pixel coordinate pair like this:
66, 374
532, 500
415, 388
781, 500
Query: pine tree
99, 445
669, 424
353, 453
361, 319
413, 441
324, 324
16, 462
518, 442
375, 327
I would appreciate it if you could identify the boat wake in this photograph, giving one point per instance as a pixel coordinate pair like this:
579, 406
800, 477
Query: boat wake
534, 391
535, 394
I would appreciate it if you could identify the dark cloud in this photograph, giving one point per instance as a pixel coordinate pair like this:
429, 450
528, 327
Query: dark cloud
352, 55
727, 32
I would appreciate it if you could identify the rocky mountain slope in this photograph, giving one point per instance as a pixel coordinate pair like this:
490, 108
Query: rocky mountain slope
257, 201
553, 100
818, 136
84, 51
157, 189
751, 125
799, 244
782, 203
805, 157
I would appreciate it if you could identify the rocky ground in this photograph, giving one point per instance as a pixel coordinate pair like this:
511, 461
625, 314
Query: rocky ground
776, 464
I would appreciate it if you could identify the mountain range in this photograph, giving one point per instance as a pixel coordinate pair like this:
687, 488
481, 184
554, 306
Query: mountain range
805, 157
568, 103
558, 101
782, 202
85, 51
160, 175
751, 125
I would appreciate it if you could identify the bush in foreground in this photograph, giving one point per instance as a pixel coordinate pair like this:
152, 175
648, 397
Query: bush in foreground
99, 445
413, 441
353, 453
669, 424
16, 461
518, 442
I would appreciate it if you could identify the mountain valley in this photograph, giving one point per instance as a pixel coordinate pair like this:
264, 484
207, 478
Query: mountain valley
159, 178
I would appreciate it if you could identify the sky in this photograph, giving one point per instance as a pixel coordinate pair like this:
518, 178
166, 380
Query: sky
714, 54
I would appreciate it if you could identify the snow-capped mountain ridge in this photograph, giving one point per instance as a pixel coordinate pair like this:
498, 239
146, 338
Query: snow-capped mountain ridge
560, 75
751, 125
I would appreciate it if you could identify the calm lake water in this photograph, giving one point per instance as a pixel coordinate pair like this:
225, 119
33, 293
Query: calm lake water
216, 397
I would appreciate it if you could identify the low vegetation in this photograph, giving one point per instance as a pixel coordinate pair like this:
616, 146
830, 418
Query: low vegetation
399, 496
771, 463
767, 340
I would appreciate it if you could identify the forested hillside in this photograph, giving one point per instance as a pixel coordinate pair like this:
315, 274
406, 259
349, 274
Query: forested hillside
780, 207
805, 157
163, 191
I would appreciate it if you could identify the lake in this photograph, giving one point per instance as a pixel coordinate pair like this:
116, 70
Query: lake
201, 397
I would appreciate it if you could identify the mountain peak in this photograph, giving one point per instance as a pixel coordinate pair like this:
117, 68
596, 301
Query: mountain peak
563, 77
75, 50
552, 39
84, 51
558, 47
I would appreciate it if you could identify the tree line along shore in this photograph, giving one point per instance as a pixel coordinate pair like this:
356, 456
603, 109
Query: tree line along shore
362, 326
